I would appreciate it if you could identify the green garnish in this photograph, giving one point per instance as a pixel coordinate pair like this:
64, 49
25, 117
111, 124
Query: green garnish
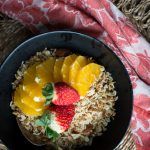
45, 121
48, 92
51, 134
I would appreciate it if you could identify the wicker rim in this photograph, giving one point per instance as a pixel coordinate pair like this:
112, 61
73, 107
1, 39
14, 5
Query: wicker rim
138, 12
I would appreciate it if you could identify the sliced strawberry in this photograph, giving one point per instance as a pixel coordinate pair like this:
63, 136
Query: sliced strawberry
60, 93
61, 117
64, 94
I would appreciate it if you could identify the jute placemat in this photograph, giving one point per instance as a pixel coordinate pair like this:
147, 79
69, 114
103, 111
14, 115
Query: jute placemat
12, 34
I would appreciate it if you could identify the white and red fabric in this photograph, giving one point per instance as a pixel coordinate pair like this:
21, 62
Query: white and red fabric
100, 19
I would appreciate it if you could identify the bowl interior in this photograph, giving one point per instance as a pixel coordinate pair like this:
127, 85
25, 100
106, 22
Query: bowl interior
78, 43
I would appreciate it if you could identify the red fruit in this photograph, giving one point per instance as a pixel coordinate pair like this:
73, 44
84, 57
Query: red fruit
60, 93
61, 117
64, 94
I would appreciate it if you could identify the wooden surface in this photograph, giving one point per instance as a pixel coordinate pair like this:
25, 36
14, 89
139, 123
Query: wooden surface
11, 34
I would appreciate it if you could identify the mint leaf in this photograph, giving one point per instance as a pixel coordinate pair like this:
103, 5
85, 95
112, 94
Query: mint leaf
51, 134
39, 123
45, 121
48, 92
48, 101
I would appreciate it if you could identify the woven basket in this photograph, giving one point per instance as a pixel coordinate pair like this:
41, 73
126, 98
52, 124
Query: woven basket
138, 11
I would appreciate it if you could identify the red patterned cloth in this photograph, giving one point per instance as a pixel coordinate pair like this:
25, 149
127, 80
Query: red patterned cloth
100, 19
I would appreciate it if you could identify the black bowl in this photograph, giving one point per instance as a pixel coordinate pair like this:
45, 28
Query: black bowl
82, 44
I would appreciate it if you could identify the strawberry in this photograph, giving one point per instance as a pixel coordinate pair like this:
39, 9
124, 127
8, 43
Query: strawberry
61, 117
60, 93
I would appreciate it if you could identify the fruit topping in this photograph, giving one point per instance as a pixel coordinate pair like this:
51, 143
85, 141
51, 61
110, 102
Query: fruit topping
56, 120
66, 67
86, 77
60, 93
